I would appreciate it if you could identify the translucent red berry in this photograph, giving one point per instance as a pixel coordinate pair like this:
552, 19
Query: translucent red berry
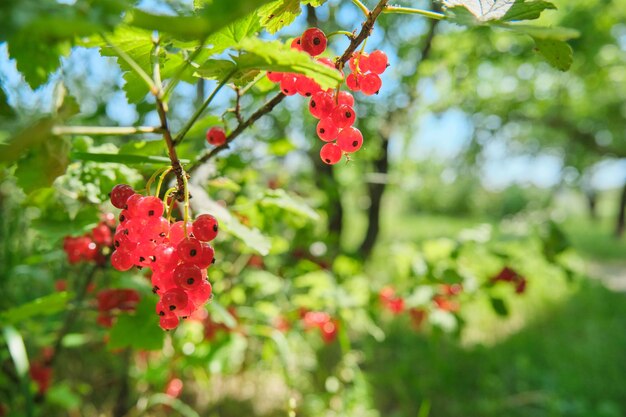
353, 82
345, 98
296, 44
205, 227
359, 62
288, 85
350, 139
121, 260
150, 206
216, 136
189, 250
132, 205
321, 104
119, 194
377, 62
343, 116
274, 77
370, 84
187, 276
168, 321
306, 86
177, 232
207, 256
175, 299
327, 61
313, 41
327, 130
330, 153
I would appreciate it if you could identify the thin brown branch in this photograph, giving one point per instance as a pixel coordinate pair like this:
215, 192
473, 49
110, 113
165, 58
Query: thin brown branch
238, 105
366, 30
177, 168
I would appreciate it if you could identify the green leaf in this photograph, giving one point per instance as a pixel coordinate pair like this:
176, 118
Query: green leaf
231, 35
556, 33
278, 14
280, 198
252, 238
209, 19
270, 56
177, 405
221, 315
499, 306
128, 159
43, 164
5, 109
17, 350
139, 330
43, 306
527, 10
558, 53
32, 136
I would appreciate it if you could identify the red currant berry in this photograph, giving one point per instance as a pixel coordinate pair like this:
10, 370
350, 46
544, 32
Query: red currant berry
124, 216
205, 227
207, 257
143, 255
327, 130
274, 77
321, 104
345, 98
188, 276
202, 294
119, 194
121, 260
377, 62
288, 84
151, 207
350, 139
157, 229
177, 232
189, 250
314, 41
165, 257
306, 86
296, 44
370, 84
132, 205
353, 82
175, 299
168, 321
327, 61
102, 235
358, 62
216, 136
343, 116
331, 153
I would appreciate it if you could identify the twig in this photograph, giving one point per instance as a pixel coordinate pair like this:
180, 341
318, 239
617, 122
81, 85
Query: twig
366, 30
104, 130
238, 105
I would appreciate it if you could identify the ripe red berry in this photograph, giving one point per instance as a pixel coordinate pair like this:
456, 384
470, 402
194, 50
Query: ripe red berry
205, 227
177, 232
165, 257
189, 250
370, 84
216, 136
350, 139
175, 299
201, 294
343, 116
168, 321
353, 82
327, 130
121, 260
151, 207
377, 62
321, 104
359, 62
314, 41
327, 61
296, 44
306, 86
132, 204
274, 77
119, 194
288, 84
331, 153
207, 256
345, 98
187, 276
102, 235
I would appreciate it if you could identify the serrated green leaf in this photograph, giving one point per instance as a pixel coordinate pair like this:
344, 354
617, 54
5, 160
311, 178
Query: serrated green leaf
32, 136
270, 56
482, 10
128, 159
231, 35
43, 306
278, 14
556, 33
527, 10
139, 330
43, 164
314, 3
5, 109
557, 53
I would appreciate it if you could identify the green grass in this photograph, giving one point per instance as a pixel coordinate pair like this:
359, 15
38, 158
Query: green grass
595, 239
570, 362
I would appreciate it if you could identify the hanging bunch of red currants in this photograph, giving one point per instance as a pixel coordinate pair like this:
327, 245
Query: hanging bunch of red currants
333, 108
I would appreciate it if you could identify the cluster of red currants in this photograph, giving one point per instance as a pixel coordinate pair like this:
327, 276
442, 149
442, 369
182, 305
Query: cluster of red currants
178, 254
333, 108
445, 300
510, 275
92, 246
327, 325
113, 301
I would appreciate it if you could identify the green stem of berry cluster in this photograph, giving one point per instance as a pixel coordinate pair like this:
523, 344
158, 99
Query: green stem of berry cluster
350, 35
186, 207
161, 179
410, 10
153, 178
362, 7
170, 208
